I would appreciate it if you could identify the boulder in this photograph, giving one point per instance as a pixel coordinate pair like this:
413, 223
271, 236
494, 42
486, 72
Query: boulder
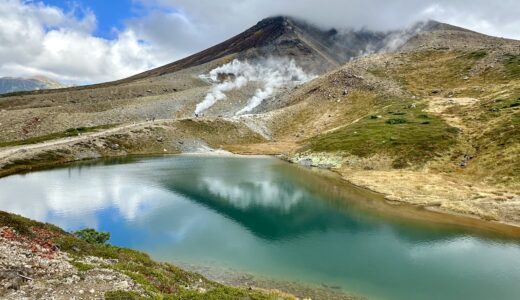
306, 162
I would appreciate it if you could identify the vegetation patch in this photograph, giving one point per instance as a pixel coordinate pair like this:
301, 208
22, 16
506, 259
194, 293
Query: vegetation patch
512, 65
23, 225
82, 266
121, 295
479, 54
92, 236
411, 141
453, 70
394, 121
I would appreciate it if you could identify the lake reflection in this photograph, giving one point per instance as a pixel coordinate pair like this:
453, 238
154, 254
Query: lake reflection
264, 216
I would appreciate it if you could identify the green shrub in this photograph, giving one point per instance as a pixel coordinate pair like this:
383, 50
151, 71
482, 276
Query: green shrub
394, 121
92, 236
477, 54
121, 295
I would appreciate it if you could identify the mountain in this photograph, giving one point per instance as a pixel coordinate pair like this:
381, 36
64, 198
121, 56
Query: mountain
283, 36
428, 115
12, 84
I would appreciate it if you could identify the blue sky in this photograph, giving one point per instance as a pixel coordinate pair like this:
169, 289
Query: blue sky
89, 41
110, 14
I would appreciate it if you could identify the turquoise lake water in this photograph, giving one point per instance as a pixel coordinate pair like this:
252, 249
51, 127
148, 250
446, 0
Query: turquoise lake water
267, 217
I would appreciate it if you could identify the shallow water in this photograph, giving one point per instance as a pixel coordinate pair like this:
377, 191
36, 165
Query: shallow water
267, 217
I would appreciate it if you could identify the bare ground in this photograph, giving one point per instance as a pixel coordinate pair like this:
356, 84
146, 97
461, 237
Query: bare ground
35, 269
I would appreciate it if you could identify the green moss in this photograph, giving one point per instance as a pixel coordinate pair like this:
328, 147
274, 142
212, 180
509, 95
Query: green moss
479, 54
411, 142
394, 121
82, 266
512, 65
224, 293
121, 295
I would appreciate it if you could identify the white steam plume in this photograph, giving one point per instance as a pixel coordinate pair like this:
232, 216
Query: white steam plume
272, 73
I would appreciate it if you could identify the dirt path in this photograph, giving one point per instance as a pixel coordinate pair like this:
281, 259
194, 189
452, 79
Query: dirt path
7, 152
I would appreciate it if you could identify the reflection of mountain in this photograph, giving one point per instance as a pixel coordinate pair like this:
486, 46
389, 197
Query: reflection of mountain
270, 208
275, 201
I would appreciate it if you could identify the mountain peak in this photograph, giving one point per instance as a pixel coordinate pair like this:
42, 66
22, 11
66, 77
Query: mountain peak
433, 25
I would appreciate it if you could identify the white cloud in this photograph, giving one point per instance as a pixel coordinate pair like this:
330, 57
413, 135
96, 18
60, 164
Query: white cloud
232, 16
38, 39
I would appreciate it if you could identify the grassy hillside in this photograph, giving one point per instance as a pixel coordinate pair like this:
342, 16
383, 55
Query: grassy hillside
454, 111
402, 131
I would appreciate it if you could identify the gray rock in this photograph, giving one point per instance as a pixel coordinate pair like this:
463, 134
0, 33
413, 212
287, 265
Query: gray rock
306, 162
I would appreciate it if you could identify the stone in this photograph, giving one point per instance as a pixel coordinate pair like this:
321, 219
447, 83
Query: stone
14, 284
306, 162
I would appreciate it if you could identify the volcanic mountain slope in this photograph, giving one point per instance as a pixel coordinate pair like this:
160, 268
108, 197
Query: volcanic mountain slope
311, 47
12, 84
175, 90
431, 120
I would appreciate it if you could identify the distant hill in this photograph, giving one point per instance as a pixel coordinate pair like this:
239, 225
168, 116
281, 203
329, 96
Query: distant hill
12, 84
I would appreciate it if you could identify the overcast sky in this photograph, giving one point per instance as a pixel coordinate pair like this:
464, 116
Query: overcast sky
89, 41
